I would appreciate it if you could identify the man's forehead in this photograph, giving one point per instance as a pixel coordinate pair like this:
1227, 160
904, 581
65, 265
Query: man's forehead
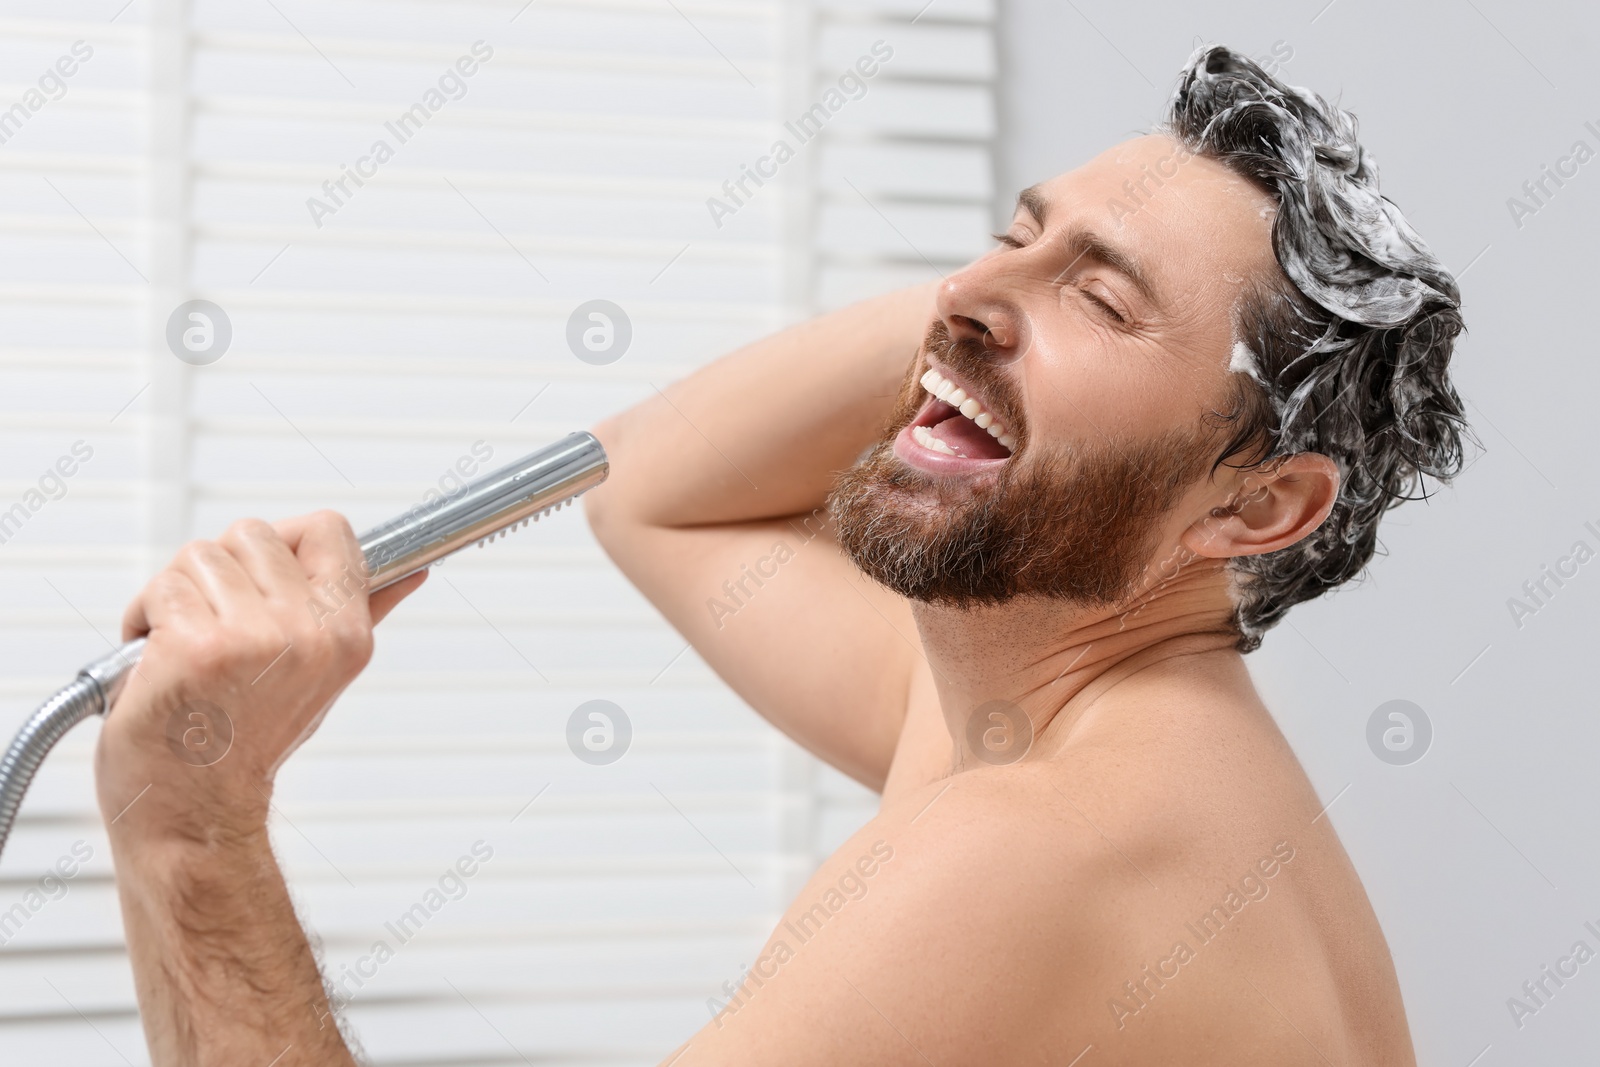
1159, 162
1151, 195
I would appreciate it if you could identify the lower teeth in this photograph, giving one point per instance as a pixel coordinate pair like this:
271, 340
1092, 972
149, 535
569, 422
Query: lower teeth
926, 439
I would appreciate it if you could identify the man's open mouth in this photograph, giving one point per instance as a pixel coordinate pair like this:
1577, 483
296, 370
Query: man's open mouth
957, 425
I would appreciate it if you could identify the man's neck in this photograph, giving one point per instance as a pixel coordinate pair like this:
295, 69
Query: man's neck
1050, 659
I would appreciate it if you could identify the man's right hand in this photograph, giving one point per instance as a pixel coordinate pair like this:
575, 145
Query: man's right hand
238, 670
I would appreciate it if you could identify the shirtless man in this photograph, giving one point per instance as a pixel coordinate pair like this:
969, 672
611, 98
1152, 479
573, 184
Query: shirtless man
1196, 371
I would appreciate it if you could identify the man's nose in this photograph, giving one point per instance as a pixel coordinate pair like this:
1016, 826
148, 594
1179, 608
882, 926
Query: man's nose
976, 305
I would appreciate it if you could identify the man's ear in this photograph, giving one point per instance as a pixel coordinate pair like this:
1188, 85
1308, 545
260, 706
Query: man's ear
1272, 507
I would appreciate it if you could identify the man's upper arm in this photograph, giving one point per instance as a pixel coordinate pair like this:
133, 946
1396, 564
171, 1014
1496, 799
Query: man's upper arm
782, 615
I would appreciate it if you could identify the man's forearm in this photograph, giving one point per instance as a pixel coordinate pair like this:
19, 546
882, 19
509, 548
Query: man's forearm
223, 970
761, 433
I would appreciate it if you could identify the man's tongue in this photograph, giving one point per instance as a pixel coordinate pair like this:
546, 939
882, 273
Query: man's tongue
967, 439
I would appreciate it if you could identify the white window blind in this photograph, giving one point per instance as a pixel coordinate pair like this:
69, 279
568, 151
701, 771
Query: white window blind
380, 336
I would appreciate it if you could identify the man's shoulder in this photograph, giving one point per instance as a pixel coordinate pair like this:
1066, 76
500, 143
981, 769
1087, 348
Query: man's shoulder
963, 924
1113, 917
1024, 914
1040, 878
1109, 816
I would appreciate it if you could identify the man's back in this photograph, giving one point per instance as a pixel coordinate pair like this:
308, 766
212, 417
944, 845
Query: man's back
1156, 883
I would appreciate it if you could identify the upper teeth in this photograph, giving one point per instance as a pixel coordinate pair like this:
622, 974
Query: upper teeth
946, 390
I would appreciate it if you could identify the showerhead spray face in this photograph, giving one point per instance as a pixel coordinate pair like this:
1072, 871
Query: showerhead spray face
486, 508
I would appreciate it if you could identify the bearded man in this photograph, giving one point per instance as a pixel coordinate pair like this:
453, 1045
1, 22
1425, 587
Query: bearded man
1174, 402
993, 546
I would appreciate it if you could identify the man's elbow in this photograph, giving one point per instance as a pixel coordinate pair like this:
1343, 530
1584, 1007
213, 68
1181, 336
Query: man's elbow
606, 506
604, 521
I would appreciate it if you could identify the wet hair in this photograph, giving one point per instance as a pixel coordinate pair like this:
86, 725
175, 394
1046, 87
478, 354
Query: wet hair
1351, 342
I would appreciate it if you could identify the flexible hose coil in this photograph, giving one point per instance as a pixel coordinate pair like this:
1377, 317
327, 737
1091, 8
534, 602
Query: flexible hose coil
70, 705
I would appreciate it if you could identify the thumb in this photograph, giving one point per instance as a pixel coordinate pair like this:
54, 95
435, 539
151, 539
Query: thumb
382, 602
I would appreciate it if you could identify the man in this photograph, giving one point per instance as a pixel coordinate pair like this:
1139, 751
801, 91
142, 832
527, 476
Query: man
1172, 403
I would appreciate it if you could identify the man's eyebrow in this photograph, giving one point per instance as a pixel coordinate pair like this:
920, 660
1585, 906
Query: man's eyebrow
1032, 199
1084, 243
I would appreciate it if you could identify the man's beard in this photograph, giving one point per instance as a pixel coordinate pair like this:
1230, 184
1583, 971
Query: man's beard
1078, 526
